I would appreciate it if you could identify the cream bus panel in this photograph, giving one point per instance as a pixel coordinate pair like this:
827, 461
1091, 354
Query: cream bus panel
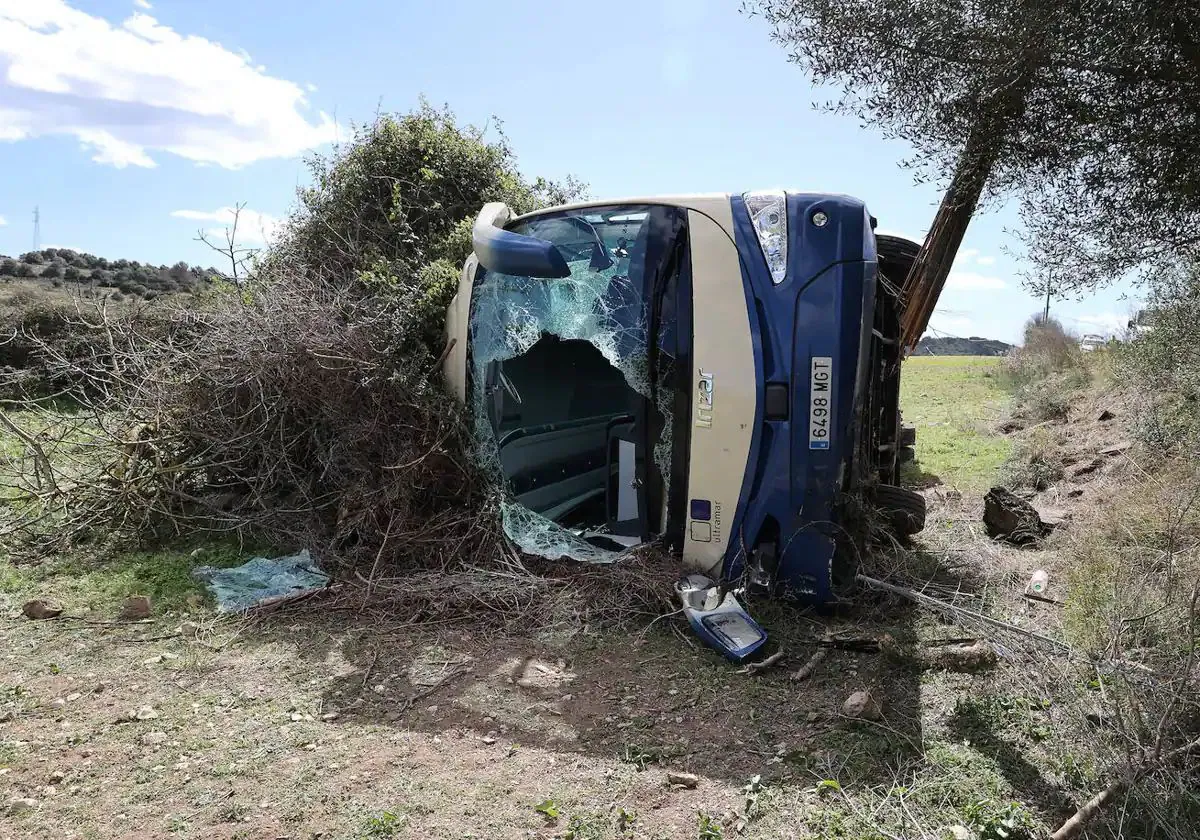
723, 389
454, 367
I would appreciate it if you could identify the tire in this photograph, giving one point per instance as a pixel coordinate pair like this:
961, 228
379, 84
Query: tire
903, 509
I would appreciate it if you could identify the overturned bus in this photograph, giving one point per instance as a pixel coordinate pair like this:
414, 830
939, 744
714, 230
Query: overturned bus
719, 372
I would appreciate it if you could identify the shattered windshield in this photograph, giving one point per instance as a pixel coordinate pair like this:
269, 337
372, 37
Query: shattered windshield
568, 404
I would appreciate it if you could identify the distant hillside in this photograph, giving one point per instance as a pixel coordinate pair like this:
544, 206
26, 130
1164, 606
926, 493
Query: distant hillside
973, 346
61, 267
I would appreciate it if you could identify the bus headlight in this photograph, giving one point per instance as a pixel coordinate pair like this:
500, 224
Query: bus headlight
768, 212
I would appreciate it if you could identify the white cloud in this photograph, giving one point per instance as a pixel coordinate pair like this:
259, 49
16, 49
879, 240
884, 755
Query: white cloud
128, 90
3, 221
253, 227
967, 254
985, 261
973, 281
142, 4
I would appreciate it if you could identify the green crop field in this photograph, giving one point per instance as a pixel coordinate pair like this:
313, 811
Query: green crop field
955, 402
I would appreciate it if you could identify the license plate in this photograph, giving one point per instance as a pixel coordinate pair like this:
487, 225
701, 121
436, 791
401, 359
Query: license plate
820, 402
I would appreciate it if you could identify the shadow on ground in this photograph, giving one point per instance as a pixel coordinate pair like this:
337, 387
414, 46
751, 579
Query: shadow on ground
645, 695
913, 475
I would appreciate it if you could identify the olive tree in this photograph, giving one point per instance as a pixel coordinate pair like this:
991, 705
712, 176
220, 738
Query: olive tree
1087, 110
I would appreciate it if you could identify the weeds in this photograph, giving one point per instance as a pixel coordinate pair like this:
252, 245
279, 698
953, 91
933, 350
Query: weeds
708, 828
383, 824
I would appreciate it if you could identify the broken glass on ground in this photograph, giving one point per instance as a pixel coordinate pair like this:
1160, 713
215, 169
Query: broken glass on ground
261, 579
564, 387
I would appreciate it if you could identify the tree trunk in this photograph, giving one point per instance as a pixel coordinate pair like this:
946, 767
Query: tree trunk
983, 148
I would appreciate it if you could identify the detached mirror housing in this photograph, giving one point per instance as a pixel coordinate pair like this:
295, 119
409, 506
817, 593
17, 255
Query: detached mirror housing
512, 253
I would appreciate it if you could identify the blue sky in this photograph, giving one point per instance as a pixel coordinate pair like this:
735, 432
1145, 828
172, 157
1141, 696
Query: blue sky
132, 123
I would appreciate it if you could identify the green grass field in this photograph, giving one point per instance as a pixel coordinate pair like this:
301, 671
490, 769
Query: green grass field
954, 403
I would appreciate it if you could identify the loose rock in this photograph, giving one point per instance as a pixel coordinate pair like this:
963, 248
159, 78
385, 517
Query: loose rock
862, 705
145, 713
1085, 468
153, 739
687, 780
21, 806
38, 609
189, 629
960, 832
136, 608
1012, 519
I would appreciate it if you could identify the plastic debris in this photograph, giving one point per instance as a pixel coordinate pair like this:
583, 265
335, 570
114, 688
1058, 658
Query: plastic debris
261, 579
718, 619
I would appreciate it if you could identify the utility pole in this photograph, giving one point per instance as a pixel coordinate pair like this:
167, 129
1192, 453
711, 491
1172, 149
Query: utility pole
37, 228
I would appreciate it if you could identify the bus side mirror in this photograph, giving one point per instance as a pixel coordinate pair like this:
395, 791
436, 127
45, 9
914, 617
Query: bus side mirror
512, 253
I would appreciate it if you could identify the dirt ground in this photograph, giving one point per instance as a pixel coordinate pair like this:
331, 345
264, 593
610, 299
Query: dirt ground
304, 726
337, 725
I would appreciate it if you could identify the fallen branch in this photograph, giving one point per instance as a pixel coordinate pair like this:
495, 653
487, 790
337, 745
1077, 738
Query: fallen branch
945, 607
425, 692
1033, 596
1073, 826
759, 667
805, 671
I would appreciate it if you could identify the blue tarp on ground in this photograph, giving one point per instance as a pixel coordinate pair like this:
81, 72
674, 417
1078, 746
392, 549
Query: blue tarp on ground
261, 579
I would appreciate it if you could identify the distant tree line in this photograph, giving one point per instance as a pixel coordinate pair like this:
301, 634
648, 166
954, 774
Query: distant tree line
129, 277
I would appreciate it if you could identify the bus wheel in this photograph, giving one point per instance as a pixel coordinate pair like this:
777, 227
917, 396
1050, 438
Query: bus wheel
903, 509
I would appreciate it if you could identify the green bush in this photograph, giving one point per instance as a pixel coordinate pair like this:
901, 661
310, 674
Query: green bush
1048, 370
390, 212
1162, 364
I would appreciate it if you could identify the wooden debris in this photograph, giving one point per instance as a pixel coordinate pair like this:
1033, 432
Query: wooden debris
759, 667
806, 670
1012, 519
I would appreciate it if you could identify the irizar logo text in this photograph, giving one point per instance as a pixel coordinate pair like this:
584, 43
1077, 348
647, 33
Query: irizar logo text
704, 400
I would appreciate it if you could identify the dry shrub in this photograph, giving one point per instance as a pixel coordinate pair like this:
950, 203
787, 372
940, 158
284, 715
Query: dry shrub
1162, 364
1036, 461
287, 411
1048, 369
1133, 615
303, 405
